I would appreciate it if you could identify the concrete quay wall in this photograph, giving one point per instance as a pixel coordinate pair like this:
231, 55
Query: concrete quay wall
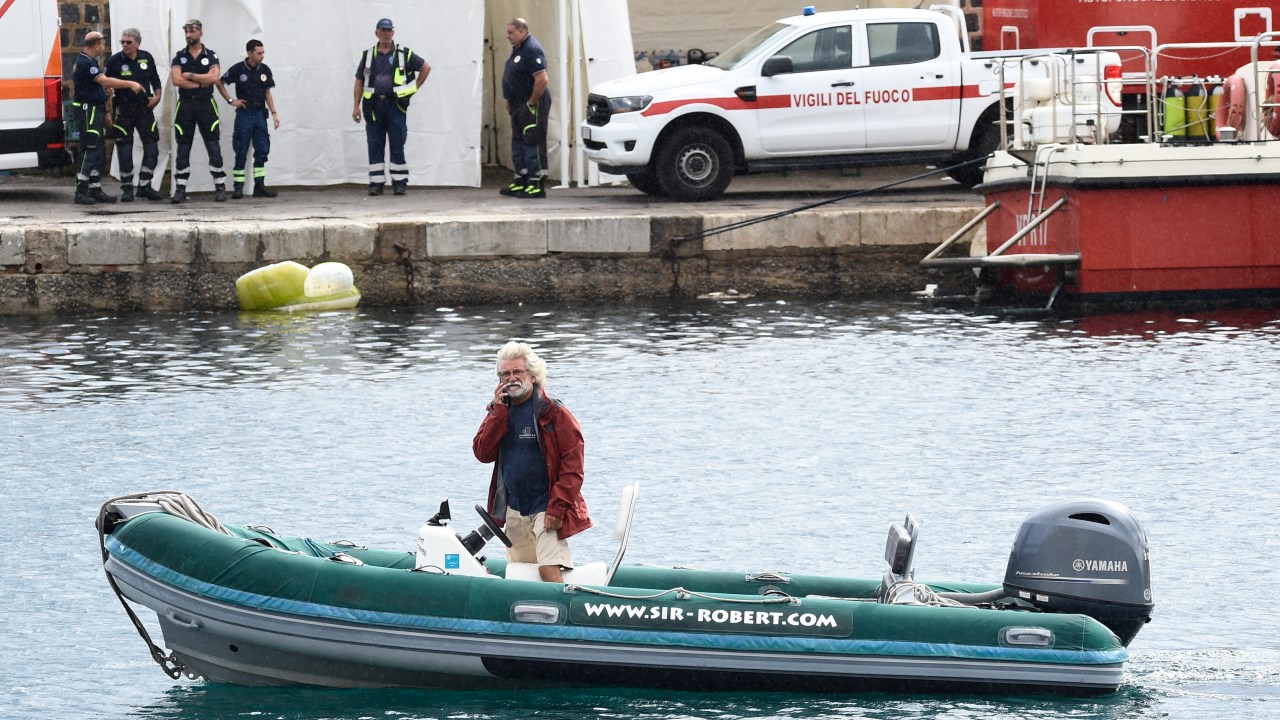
117, 265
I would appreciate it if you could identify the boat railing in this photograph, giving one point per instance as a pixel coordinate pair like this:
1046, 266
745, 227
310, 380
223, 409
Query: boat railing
1162, 115
1070, 95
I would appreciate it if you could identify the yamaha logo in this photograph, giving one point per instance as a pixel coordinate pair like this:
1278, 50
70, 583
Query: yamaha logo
1100, 565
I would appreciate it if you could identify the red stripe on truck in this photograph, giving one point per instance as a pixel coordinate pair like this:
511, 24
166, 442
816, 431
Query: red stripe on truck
774, 102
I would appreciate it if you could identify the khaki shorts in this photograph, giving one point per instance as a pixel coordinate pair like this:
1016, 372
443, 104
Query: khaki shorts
531, 542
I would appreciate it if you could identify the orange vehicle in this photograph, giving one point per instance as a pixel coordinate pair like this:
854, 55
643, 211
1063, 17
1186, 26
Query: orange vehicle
31, 121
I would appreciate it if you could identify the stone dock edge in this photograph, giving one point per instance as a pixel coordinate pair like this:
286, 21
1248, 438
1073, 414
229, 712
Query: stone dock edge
193, 265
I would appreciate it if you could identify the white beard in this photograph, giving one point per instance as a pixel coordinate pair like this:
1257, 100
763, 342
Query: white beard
519, 390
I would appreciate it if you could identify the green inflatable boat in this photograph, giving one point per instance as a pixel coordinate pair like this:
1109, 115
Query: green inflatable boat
245, 605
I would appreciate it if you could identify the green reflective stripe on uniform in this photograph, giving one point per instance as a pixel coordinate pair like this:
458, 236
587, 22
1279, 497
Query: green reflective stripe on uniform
259, 172
238, 176
216, 115
93, 115
176, 125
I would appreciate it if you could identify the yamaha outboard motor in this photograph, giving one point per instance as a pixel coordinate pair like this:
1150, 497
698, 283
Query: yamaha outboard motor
1088, 557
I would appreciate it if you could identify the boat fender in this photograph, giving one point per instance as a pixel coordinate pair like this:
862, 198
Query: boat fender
1230, 110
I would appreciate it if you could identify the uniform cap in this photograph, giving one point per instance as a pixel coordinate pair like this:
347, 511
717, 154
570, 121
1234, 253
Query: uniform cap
193, 23
386, 24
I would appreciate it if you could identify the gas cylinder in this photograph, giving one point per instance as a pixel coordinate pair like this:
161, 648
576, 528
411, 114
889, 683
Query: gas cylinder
1215, 102
1197, 100
1175, 110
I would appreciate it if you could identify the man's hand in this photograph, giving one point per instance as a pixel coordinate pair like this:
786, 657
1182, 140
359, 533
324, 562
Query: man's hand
551, 523
500, 394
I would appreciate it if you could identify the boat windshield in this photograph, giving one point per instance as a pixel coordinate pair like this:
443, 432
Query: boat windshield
748, 47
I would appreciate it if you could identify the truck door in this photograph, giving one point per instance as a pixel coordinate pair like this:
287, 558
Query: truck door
911, 91
816, 106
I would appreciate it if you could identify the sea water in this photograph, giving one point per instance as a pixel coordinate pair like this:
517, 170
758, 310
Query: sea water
766, 435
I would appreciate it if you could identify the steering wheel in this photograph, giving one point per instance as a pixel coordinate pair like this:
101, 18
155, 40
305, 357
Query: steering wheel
493, 526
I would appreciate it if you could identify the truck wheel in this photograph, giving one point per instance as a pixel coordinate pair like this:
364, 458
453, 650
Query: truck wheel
645, 182
986, 142
694, 164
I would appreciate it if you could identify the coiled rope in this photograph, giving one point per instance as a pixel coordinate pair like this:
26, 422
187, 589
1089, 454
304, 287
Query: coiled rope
923, 594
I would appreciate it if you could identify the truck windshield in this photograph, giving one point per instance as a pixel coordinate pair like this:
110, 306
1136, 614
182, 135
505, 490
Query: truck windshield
748, 46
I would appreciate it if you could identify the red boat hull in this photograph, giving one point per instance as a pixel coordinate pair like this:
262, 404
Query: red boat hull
1142, 239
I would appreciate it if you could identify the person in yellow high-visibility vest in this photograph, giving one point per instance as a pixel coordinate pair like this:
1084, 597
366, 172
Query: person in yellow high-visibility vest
386, 79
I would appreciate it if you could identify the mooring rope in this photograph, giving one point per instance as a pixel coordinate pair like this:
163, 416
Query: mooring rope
169, 663
676, 241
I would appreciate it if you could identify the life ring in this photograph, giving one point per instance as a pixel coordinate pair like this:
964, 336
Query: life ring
1271, 115
1230, 112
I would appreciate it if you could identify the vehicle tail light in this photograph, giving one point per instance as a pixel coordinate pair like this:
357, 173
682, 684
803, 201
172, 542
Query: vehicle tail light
53, 99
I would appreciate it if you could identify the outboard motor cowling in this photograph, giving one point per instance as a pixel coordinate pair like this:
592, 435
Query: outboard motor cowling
1088, 557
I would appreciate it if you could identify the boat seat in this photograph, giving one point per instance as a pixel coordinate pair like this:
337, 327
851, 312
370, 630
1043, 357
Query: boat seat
596, 573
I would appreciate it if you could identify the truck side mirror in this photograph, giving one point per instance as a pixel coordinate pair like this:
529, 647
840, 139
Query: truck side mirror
777, 65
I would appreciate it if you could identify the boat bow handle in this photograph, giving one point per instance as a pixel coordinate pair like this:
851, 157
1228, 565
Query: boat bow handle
181, 620
1028, 636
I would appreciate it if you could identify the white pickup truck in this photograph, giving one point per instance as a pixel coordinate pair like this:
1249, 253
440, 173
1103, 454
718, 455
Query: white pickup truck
831, 89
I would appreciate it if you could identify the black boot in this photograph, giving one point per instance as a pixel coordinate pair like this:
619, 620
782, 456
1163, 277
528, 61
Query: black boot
220, 193
82, 195
98, 194
179, 195
126, 193
516, 188
534, 189
149, 193
237, 191
260, 189
375, 188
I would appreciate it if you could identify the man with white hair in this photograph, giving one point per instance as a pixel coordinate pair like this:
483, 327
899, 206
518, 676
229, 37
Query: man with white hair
536, 446
135, 112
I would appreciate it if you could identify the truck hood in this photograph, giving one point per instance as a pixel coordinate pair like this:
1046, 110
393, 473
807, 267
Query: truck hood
666, 79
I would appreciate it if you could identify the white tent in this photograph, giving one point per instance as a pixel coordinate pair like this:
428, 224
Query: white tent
313, 48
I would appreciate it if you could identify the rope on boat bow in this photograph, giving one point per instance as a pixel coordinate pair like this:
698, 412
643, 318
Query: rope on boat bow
175, 503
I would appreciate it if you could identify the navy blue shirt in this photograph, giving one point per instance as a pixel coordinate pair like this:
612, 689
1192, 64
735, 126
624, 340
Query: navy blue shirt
524, 470
85, 74
526, 60
201, 65
381, 77
251, 81
141, 70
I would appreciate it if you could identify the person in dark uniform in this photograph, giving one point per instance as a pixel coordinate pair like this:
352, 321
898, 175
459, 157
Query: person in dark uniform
386, 79
90, 111
524, 86
194, 72
253, 81
132, 112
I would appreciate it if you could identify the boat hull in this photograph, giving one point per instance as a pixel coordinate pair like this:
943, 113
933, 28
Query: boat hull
1147, 223
373, 626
